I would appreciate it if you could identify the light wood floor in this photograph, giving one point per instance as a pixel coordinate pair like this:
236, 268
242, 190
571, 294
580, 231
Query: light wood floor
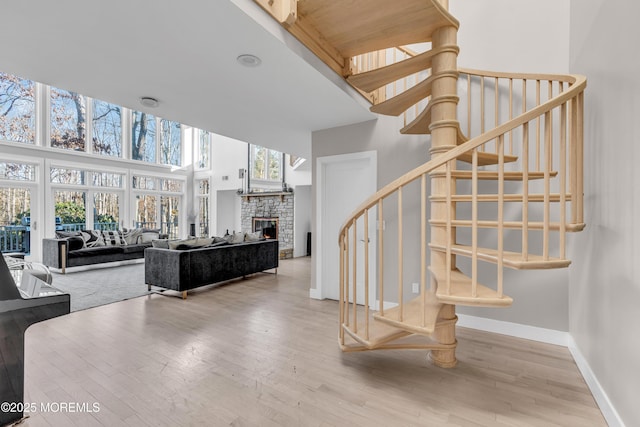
259, 352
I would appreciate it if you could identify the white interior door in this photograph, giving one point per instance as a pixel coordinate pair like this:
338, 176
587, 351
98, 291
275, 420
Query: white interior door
344, 182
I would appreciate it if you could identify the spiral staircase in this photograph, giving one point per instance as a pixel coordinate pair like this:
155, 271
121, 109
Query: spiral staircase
503, 187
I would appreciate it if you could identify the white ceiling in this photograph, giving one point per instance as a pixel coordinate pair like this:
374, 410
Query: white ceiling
184, 54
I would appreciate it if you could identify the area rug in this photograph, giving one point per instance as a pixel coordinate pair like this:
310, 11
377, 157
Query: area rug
102, 286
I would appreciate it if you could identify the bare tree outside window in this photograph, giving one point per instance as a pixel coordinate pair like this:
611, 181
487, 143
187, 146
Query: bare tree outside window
203, 207
106, 211
265, 169
107, 129
146, 211
170, 143
17, 171
143, 137
258, 162
204, 147
17, 109
68, 120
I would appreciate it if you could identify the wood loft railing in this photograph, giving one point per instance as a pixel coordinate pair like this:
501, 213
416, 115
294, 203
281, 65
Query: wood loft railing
536, 176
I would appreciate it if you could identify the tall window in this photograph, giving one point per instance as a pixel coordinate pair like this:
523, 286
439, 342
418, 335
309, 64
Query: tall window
107, 129
146, 211
143, 137
17, 109
265, 169
170, 143
204, 149
15, 206
87, 199
68, 120
70, 207
203, 207
106, 211
158, 203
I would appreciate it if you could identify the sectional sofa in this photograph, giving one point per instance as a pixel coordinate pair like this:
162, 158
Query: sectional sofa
90, 247
182, 270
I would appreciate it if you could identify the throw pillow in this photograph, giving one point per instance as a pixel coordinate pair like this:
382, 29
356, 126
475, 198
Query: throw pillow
65, 234
237, 237
160, 243
217, 239
198, 242
131, 235
113, 238
203, 241
254, 237
92, 238
148, 237
75, 243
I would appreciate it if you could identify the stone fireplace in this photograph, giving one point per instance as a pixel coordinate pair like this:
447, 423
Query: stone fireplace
271, 213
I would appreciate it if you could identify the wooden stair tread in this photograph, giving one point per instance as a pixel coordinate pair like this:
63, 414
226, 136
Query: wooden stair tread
409, 342
419, 125
510, 259
486, 159
401, 102
412, 315
461, 291
374, 79
379, 334
494, 198
533, 225
361, 26
493, 175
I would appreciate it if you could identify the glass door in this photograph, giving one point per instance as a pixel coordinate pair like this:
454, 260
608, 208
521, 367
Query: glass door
15, 220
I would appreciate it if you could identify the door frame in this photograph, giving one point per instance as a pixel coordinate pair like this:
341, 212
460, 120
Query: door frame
321, 166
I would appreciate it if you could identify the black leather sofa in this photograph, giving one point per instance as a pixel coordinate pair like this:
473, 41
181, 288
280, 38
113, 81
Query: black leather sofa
181, 270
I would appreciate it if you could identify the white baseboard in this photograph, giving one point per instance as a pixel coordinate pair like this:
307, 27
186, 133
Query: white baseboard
387, 304
549, 336
315, 293
608, 410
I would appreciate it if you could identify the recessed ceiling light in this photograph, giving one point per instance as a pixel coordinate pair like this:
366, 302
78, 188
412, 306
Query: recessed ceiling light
149, 102
249, 60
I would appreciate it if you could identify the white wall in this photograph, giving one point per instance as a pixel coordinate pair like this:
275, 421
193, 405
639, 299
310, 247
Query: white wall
513, 35
227, 212
228, 156
604, 286
301, 219
507, 35
298, 176
397, 154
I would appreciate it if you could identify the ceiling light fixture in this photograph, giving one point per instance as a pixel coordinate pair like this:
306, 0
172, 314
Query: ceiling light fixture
149, 102
249, 60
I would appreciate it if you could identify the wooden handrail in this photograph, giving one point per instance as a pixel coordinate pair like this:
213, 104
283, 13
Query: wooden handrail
577, 85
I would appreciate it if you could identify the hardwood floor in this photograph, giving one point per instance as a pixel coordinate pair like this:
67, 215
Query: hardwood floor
259, 352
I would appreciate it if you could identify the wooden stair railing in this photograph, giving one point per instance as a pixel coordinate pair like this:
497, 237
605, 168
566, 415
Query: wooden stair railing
545, 141
509, 144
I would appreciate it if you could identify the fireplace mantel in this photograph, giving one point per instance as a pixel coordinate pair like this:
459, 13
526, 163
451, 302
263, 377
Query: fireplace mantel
282, 195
